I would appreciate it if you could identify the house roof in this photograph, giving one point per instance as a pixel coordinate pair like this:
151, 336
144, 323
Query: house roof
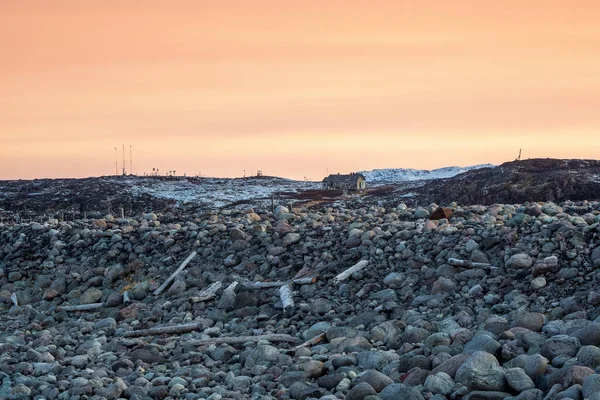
345, 178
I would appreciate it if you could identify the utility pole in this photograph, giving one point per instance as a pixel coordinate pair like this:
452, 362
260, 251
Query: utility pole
131, 159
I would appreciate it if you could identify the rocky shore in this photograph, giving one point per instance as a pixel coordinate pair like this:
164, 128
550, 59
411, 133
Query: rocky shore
469, 302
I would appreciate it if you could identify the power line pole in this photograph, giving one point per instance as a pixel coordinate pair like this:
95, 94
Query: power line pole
116, 163
131, 159
123, 160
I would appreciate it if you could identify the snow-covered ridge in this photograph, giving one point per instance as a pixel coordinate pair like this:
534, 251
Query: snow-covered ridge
217, 192
409, 174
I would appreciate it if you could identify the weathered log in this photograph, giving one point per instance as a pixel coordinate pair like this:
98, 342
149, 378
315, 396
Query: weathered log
174, 274
311, 342
347, 273
273, 337
81, 307
468, 264
287, 300
207, 293
165, 330
266, 285
13, 297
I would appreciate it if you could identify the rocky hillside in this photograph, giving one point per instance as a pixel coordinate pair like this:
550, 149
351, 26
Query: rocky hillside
95, 197
497, 302
519, 181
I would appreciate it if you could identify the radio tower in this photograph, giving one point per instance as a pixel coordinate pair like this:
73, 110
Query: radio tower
123, 160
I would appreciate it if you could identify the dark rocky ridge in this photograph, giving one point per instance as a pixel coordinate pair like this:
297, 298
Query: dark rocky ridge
75, 197
97, 196
517, 182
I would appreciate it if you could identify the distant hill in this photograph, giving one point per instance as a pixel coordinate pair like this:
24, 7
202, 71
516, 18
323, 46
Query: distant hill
393, 175
540, 179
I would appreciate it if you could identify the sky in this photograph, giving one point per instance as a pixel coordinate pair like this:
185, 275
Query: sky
294, 88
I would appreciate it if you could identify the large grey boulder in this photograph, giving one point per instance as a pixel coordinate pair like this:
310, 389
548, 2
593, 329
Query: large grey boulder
360, 391
399, 391
518, 380
589, 356
591, 387
520, 260
560, 345
440, 383
481, 371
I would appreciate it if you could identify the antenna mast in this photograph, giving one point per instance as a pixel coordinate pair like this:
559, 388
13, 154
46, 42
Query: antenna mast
116, 163
131, 159
123, 160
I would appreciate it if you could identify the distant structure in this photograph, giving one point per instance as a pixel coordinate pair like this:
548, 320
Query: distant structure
124, 171
345, 182
259, 172
519, 157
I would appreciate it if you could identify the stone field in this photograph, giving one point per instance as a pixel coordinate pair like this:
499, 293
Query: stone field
491, 302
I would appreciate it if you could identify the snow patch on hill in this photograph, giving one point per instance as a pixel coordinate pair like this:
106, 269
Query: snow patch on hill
216, 191
409, 174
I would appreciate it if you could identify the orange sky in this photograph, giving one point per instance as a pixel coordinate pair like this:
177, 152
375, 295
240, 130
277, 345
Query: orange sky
294, 88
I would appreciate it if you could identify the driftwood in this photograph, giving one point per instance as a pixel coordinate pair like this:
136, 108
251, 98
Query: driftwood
165, 330
174, 274
287, 300
13, 298
207, 293
274, 337
266, 285
81, 307
311, 342
468, 264
347, 273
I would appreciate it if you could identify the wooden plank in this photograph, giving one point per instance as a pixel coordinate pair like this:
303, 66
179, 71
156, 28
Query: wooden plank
265, 285
274, 337
310, 342
165, 330
347, 273
207, 293
13, 298
174, 274
468, 264
287, 299
81, 307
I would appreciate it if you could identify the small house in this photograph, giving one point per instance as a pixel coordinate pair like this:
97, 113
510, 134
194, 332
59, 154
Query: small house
345, 182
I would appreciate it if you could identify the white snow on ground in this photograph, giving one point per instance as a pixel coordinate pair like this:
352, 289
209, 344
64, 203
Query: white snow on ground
220, 192
409, 174
217, 192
